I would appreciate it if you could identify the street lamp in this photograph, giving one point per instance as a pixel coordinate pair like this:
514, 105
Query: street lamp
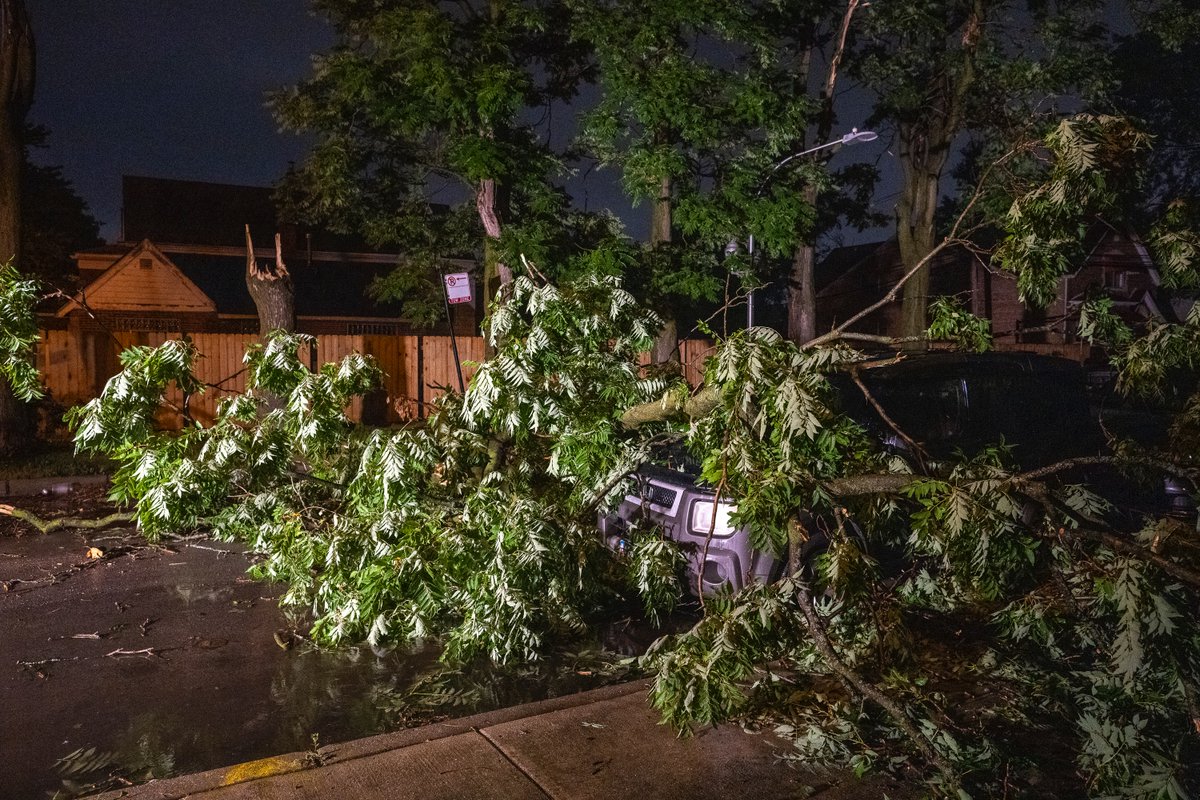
853, 137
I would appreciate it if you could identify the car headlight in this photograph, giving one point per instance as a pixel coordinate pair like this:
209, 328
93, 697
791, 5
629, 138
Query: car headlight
701, 521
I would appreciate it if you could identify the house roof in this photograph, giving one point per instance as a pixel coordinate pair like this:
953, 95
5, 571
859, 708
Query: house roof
124, 284
324, 287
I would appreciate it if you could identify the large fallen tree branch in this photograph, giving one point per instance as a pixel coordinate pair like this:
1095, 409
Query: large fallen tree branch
673, 404
58, 523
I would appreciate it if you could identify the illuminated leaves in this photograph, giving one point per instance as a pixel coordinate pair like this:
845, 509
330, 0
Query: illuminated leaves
18, 333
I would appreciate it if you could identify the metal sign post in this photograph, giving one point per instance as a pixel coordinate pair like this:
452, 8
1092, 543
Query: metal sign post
456, 288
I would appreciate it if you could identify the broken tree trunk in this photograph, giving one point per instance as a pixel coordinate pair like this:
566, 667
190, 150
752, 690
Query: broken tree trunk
271, 289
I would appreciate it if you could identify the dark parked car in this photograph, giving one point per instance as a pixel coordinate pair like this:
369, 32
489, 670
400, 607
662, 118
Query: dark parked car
1037, 405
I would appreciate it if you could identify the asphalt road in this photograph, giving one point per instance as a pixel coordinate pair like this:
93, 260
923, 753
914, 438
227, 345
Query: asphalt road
144, 661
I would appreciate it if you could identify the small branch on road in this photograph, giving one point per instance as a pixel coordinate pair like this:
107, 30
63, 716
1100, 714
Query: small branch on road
220, 551
148, 652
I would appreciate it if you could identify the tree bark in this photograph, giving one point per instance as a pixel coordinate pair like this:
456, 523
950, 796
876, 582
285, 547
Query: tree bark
925, 143
496, 274
802, 288
271, 290
58, 523
922, 156
666, 346
16, 95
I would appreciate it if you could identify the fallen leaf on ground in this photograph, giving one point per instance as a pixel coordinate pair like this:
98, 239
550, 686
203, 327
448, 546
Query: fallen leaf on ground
95, 552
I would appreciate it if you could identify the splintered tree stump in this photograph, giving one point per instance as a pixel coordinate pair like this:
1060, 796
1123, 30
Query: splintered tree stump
271, 289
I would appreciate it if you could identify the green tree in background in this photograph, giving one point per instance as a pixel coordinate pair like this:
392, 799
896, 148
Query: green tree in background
699, 102
667, 108
422, 96
56, 222
945, 71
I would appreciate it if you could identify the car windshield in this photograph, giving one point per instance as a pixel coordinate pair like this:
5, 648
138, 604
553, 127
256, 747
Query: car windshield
1042, 414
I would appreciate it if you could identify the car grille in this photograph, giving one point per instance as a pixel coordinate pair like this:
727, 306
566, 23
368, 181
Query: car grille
659, 495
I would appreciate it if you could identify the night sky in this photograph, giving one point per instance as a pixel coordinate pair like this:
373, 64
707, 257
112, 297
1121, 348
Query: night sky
167, 89
176, 89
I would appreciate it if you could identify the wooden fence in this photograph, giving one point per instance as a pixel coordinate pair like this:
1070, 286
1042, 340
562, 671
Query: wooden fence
76, 364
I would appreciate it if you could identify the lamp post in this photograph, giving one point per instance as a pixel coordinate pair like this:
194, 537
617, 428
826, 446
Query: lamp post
854, 136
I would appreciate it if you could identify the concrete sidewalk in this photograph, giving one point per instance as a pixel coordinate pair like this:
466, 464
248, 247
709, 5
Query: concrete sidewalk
598, 745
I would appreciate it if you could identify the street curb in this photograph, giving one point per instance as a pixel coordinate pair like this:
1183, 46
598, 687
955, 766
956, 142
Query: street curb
185, 785
23, 487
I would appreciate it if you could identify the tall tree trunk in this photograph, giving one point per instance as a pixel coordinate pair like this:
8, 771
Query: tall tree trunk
16, 95
924, 148
802, 287
271, 290
496, 274
922, 161
666, 346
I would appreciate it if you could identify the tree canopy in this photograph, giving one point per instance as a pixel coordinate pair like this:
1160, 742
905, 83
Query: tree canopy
420, 96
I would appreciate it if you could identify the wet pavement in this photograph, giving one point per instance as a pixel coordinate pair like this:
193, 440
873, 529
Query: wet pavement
125, 664
601, 744
136, 661
147, 661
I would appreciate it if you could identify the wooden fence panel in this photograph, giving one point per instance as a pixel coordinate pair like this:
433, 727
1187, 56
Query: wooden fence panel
693, 353
63, 362
220, 368
75, 364
429, 366
392, 404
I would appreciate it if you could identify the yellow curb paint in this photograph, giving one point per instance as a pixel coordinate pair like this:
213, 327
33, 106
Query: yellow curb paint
263, 768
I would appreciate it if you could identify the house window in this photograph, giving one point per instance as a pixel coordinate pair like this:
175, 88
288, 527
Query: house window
146, 263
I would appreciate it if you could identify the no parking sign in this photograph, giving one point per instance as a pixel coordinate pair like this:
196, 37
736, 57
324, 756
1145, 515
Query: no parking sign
458, 287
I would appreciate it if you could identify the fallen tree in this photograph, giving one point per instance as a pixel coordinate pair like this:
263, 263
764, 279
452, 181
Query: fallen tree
478, 527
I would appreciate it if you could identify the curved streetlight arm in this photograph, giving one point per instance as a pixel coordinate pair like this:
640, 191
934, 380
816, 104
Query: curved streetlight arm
855, 135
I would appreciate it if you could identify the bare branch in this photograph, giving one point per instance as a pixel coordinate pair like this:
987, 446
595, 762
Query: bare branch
867, 689
51, 525
917, 449
1126, 546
